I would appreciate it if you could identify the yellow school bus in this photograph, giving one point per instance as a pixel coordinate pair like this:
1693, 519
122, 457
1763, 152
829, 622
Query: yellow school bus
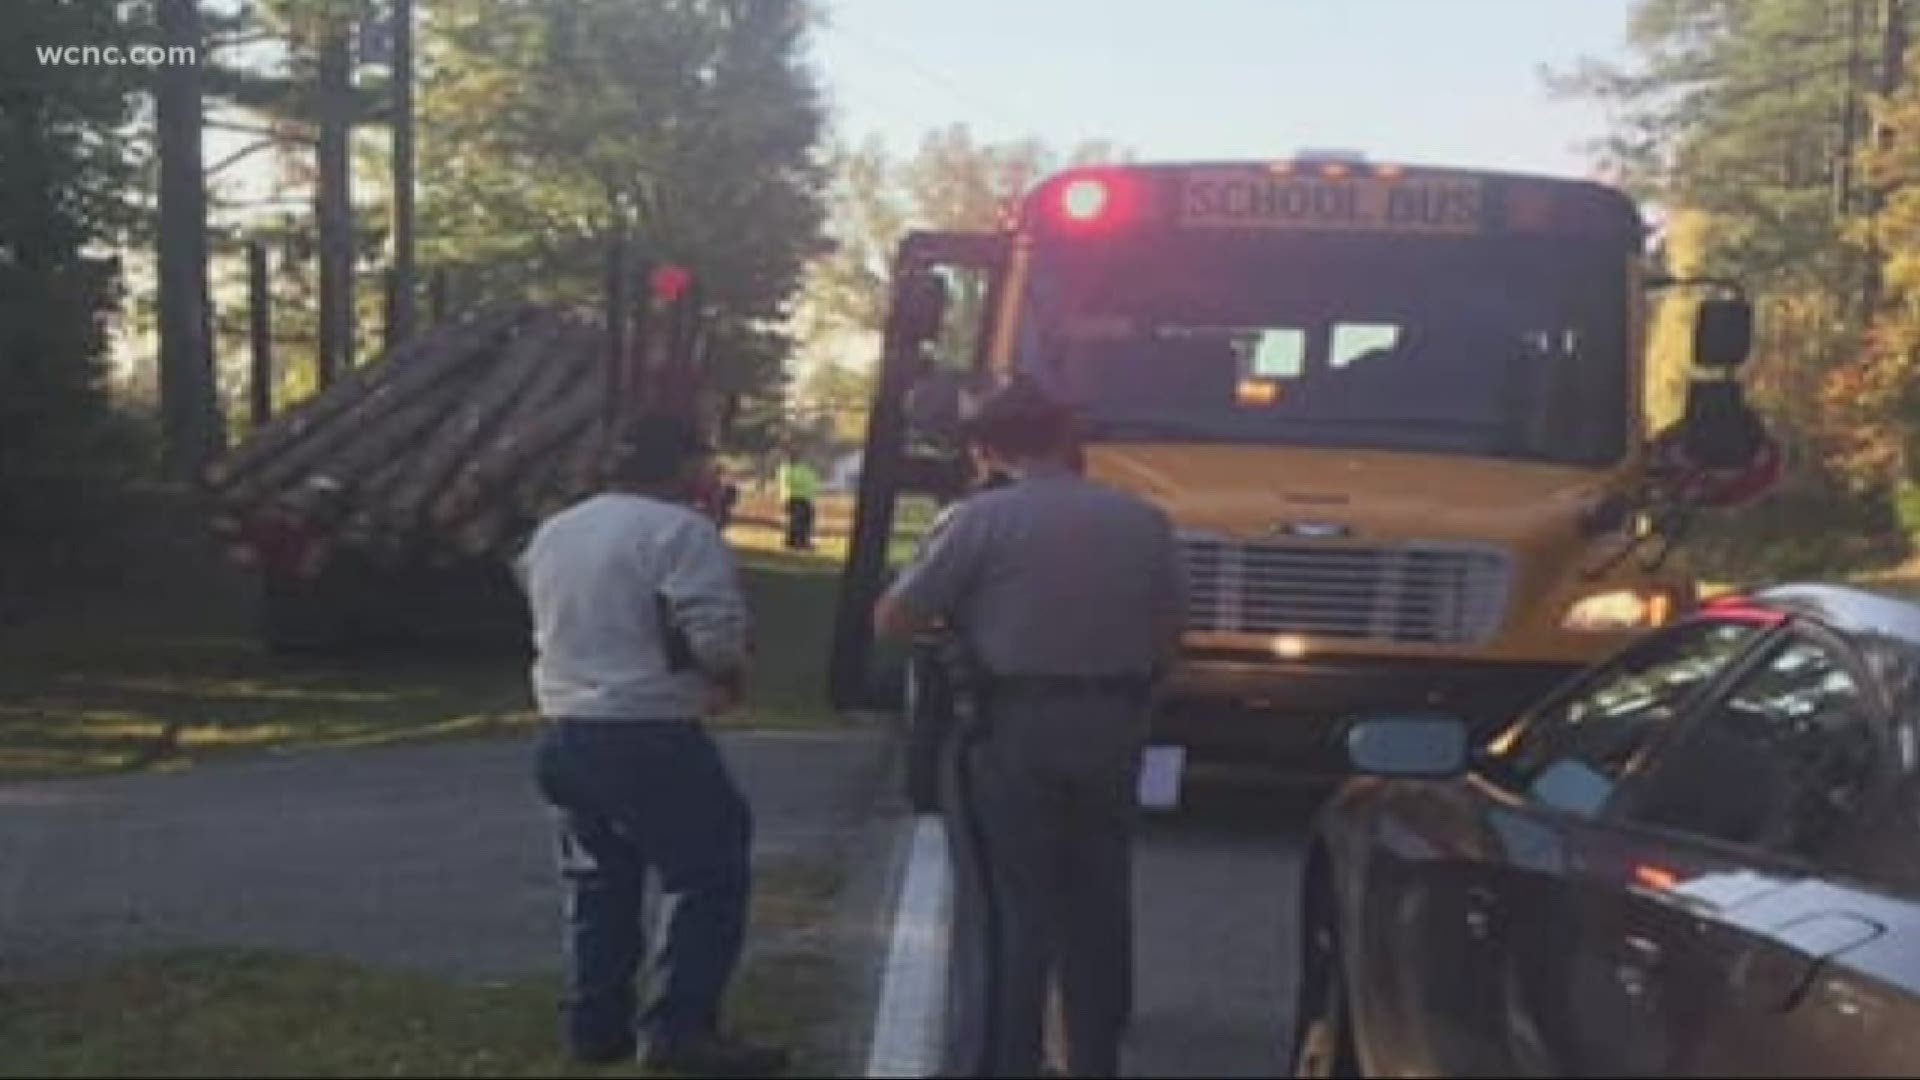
1396, 414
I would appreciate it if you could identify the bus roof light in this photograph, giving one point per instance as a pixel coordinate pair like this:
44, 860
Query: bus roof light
1085, 199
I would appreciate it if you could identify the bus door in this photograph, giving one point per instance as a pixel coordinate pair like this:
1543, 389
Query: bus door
946, 287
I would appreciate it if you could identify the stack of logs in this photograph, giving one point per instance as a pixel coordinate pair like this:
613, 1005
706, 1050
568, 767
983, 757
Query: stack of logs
450, 446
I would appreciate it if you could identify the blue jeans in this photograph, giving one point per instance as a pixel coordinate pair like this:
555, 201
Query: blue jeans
635, 797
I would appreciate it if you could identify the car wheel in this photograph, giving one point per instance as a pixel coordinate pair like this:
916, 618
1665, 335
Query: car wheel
1323, 1042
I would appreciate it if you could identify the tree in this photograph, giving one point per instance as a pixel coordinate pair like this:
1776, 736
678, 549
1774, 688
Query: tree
553, 129
190, 419
1752, 118
333, 27
67, 168
951, 183
405, 286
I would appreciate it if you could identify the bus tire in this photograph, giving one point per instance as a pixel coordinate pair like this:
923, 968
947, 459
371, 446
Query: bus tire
927, 713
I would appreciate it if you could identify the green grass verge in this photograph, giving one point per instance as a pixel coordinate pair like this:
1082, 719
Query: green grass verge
246, 1013
97, 696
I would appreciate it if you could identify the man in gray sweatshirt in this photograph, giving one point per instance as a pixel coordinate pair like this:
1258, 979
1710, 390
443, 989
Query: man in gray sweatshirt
640, 631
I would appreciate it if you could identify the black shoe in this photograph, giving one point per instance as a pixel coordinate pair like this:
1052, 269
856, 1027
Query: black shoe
714, 1055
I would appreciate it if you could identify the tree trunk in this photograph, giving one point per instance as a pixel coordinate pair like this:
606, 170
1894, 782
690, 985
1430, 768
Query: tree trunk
259, 335
190, 414
334, 199
614, 315
1893, 51
405, 286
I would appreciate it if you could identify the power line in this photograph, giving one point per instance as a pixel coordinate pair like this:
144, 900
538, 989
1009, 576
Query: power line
929, 74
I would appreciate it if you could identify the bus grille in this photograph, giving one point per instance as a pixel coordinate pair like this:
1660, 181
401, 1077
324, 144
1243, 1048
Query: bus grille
1426, 593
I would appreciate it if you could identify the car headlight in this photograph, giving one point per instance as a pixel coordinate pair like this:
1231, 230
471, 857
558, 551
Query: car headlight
1618, 610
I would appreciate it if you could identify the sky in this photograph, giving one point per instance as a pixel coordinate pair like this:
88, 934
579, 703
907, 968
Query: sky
1436, 82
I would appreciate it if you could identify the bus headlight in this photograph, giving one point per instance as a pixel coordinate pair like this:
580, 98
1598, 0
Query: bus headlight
1618, 610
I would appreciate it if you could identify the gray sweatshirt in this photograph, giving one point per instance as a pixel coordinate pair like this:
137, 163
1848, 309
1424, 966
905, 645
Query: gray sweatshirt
600, 578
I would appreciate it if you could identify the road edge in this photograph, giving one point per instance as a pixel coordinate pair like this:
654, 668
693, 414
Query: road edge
909, 1018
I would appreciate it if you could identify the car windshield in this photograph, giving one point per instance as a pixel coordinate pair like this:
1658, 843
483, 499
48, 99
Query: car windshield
1504, 347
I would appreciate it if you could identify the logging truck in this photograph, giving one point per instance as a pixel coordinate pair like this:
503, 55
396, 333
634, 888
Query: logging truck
388, 506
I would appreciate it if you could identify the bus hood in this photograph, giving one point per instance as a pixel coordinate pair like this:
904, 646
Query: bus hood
1255, 492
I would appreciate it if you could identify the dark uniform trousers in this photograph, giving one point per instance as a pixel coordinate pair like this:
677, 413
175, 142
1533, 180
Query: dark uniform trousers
1040, 798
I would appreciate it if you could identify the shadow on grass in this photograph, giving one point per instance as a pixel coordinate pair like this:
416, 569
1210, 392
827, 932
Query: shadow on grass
90, 697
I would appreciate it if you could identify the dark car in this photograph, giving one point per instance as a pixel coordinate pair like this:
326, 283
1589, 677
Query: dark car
1700, 858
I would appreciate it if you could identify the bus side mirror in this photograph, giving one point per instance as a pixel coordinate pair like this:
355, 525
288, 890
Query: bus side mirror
1722, 333
934, 406
920, 307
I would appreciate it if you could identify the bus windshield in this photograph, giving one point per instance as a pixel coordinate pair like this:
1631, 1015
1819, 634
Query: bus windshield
1497, 346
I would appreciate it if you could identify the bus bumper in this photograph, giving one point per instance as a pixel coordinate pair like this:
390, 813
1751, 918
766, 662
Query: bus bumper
1288, 713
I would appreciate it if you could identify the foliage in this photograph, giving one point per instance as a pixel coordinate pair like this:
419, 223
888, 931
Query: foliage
1770, 132
65, 166
952, 182
549, 130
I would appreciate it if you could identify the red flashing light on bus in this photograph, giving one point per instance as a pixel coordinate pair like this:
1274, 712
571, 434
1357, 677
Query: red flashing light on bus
1085, 199
1093, 202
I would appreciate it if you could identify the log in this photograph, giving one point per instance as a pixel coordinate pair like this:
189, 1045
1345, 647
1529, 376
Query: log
581, 473
487, 472
303, 420
467, 429
364, 526
571, 360
572, 476
369, 411
397, 435
564, 373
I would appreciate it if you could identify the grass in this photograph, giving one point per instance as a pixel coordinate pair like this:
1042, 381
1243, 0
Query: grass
87, 699
122, 690
140, 682
249, 1013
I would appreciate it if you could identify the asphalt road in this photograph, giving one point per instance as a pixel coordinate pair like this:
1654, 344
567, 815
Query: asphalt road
435, 858
429, 858
1214, 887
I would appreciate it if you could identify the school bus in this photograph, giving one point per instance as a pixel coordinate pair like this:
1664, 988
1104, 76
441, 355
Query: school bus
1396, 413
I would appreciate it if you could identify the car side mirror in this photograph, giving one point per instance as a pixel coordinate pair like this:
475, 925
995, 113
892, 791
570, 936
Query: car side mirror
1415, 746
1722, 333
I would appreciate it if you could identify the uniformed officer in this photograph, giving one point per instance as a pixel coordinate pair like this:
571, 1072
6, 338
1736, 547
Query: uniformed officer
1066, 596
